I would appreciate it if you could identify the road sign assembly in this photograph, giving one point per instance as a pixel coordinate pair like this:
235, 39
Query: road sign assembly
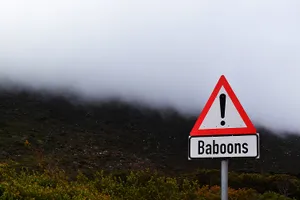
223, 130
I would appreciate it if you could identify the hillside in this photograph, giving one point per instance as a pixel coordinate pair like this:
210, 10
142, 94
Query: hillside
114, 135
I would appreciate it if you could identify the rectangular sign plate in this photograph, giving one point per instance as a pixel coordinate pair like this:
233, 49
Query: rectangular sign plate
231, 146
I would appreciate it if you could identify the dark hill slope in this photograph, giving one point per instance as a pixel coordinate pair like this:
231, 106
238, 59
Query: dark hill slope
113, 135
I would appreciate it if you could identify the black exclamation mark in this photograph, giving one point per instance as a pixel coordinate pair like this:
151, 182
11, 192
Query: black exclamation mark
222, 98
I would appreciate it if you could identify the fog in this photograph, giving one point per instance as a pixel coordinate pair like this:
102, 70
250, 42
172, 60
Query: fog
163, 53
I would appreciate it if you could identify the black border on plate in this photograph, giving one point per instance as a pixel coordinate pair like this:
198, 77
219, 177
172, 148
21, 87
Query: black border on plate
222, 158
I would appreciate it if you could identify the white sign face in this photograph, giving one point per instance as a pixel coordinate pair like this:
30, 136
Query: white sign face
232, 118
241, 146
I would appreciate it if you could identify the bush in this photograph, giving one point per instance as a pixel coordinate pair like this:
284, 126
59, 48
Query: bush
26, 185
273, 196
214, 192
142, 185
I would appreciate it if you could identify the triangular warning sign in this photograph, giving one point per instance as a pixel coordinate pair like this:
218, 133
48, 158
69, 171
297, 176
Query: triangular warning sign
223, 114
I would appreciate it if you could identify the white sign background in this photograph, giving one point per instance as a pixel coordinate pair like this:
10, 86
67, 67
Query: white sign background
232, 117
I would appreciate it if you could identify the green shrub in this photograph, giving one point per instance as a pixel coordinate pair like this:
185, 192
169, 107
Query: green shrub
214, 192
2, 189
136, 186
26, 185
142, 185
273, 196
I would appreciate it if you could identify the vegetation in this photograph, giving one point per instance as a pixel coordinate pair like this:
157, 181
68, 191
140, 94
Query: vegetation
135, 185
112, 143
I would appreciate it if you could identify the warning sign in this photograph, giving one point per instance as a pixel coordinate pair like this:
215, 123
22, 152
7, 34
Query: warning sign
223, 128
223, 114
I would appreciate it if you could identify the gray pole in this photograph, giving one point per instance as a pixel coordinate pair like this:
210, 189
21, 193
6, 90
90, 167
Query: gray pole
224, 180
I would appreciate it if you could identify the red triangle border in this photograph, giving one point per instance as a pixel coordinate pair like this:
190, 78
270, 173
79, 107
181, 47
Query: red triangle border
250, 129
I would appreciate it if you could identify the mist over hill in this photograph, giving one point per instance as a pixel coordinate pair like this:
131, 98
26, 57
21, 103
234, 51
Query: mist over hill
160, 54
116, 135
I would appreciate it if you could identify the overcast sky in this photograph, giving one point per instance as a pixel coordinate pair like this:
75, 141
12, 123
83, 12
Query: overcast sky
163, 52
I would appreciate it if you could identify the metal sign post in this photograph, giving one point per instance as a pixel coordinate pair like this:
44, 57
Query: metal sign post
224, 180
